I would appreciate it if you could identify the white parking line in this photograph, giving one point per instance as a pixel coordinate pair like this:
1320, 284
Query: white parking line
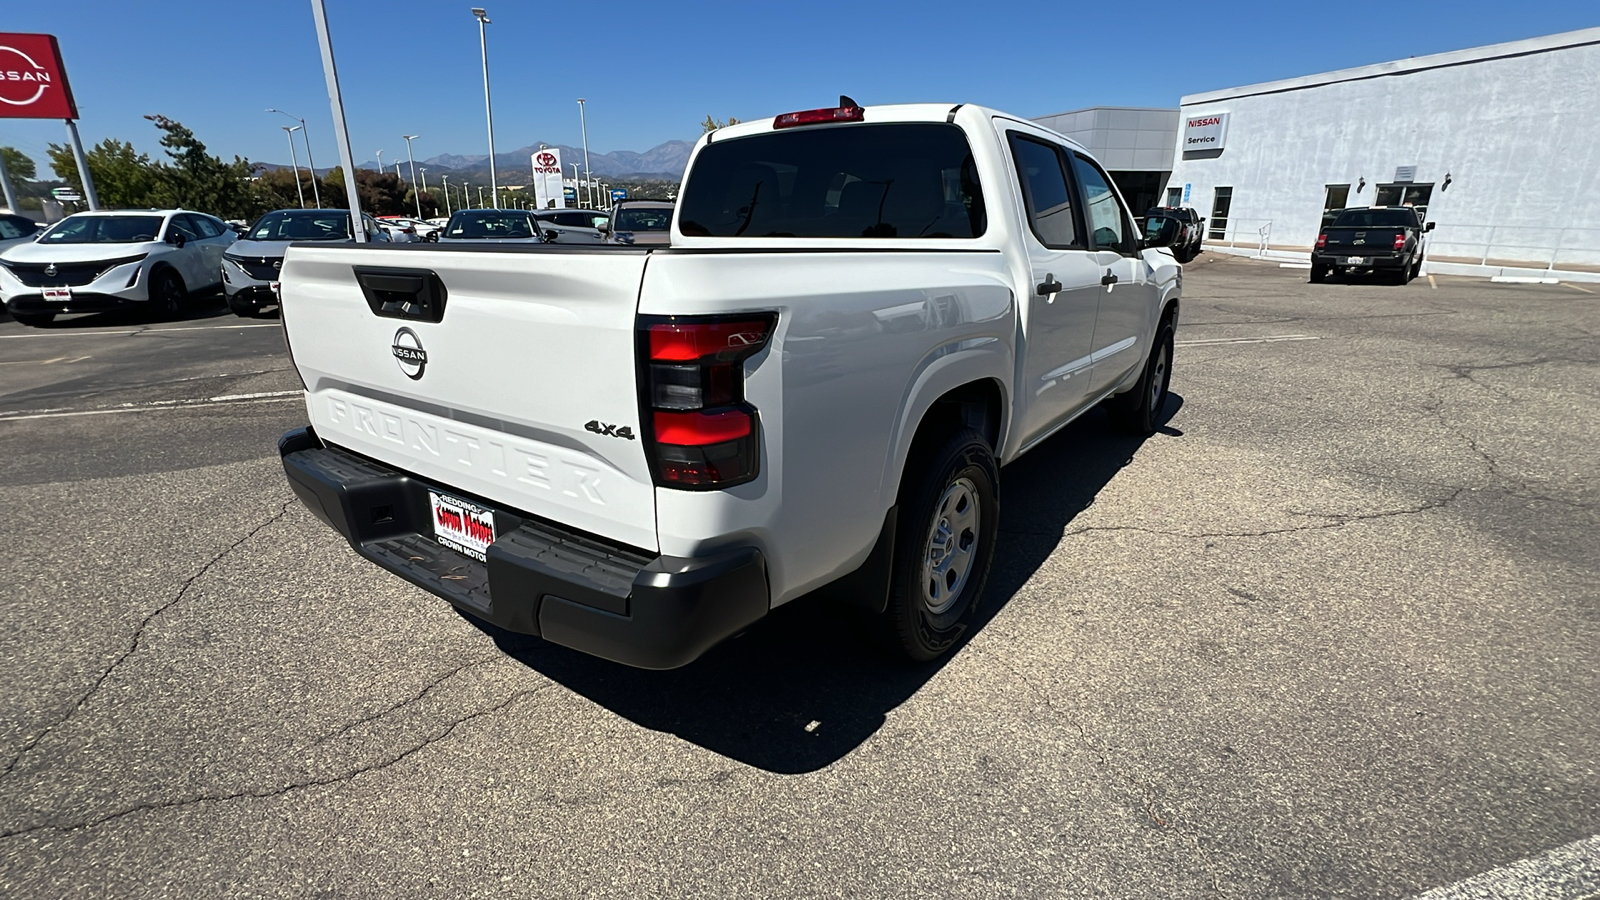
1576, 288
45, 362
1571, 872
12, 337
19, 415
1270, 339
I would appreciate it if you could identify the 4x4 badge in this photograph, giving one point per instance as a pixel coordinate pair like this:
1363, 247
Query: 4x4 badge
408, 352
599, 427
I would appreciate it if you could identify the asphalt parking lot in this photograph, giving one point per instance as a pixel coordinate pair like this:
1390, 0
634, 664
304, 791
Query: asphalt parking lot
1332, 632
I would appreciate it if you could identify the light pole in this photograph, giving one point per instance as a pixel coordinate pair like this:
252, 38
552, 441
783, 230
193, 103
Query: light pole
588, 176
480, 199
488, 109
380, 162
466, 198
413, 160
288, 132
575, 194
447, 195
316, 192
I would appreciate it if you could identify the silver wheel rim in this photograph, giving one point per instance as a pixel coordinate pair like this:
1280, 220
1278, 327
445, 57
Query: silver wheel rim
951, 547
1158, 386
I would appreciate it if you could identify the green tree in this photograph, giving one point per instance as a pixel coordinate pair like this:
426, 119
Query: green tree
710, 124
123, 177
381, 194
18, 164
197, 180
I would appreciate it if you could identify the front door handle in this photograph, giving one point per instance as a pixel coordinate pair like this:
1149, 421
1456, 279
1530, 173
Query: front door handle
1109, 278
1049, 285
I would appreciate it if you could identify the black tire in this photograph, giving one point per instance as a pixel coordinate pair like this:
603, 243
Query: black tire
34, 320
1416, 267
1402, 275
948, 522
1319, 273
242, 310
1138, 411
167, 295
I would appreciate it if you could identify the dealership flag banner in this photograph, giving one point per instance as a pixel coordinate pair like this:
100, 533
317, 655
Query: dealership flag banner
33, 81
547, 179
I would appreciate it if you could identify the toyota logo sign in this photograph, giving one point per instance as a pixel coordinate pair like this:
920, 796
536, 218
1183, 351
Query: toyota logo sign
33, 82
547, 159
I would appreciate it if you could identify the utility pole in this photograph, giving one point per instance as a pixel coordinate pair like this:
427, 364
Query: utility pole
341, 134
288, 131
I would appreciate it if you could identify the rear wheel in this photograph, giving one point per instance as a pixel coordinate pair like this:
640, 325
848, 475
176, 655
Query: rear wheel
1416, 267
1319, 273
34, 319
166, 294
949, 516
241, 308
1139, 411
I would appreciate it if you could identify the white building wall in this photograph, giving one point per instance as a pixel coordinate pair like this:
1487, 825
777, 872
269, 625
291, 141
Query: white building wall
1516, 126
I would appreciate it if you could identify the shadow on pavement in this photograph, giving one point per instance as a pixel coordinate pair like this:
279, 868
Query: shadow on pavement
198, 308
808, 684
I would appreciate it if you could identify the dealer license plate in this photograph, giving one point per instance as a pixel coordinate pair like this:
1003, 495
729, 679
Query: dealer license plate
463, 527
57, 294
1357, 261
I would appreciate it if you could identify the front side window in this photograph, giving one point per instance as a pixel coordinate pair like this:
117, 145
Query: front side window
104, 230
894, 180
1107, 224
1045, 192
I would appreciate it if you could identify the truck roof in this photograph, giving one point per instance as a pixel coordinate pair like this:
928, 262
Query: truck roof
894, 112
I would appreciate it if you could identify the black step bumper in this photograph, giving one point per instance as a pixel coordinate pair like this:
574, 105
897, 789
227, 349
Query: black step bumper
615, 602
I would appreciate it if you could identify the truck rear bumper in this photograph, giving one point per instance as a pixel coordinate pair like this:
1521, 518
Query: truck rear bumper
607, 600
1367, 260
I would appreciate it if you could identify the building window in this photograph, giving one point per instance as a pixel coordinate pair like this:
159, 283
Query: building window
1413, 195
1337, 197
1174, 196
1221, 199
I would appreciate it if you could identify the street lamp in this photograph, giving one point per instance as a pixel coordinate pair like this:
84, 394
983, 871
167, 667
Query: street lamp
575, 185
447, 211
316, 192
488, 109
466, 198
380, 162
288, 132
413, 160
588, 175
480, 199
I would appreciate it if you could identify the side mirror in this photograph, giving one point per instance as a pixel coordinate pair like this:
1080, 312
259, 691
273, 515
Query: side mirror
602, 227
1160, 232
177, 240
1428, 227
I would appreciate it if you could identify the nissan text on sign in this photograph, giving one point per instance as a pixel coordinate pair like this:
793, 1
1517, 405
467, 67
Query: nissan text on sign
1205, 132
33, 81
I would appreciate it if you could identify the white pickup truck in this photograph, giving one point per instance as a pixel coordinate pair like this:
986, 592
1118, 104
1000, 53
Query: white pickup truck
638, 452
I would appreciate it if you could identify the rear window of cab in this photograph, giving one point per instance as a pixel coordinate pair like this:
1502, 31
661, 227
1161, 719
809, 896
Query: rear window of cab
891, 180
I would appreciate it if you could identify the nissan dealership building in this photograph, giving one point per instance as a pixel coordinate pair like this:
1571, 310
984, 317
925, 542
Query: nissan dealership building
1499, 145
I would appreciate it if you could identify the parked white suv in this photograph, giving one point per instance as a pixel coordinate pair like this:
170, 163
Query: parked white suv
640, 451
250, 267
151, 260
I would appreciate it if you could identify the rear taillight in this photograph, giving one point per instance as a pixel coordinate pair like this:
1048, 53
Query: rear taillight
700, 433
1400, 241
1322, 241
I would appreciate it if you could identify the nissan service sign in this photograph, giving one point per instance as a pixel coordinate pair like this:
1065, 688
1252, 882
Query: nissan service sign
1205, 132
547, 178
33, 82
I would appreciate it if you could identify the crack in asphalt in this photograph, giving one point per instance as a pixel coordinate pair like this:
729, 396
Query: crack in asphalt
267, 793
138, 634
405, 701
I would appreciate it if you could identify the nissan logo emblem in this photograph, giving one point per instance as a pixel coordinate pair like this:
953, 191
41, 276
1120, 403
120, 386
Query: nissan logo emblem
408, 352
50, 270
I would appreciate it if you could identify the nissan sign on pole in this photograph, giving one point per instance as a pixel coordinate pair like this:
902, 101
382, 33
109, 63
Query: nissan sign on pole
547, 179
33, 85
1205, 132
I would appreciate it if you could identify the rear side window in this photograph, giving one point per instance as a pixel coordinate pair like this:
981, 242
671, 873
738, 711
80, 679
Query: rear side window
1045, 192
905, 180
1376, 218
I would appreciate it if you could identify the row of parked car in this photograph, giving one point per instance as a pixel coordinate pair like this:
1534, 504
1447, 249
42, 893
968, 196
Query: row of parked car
153, 260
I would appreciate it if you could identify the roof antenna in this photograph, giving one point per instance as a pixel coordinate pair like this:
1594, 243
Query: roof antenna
847, 103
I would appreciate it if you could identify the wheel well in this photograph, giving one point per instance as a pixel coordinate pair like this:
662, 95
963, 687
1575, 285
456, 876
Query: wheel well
162, 267
1170, 311
974, 405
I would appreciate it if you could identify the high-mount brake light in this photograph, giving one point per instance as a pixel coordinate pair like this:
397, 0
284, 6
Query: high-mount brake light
1322, 241
701, 433
819, 116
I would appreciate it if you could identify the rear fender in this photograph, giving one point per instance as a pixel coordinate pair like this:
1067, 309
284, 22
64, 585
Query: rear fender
947, 368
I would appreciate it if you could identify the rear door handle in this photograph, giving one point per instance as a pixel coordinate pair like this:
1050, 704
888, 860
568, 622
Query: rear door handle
1109, 278
1049, 285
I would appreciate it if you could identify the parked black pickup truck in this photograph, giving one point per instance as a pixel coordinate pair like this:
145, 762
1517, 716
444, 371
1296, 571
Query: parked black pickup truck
1378, 238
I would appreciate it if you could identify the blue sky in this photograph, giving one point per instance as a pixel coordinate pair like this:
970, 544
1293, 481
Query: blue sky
653, 71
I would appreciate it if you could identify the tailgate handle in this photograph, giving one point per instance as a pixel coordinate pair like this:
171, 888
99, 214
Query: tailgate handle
414, 294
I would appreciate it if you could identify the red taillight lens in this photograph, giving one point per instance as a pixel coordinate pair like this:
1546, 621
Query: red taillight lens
702, 433
1322, 241
1400, 241
819, 116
